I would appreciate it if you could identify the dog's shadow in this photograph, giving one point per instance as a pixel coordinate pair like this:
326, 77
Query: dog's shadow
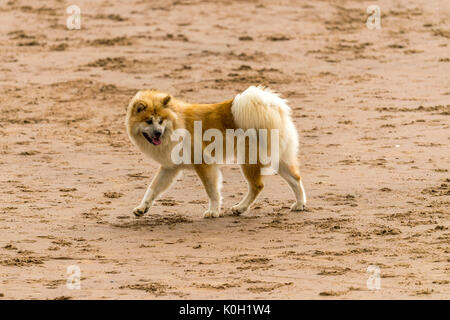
152, 221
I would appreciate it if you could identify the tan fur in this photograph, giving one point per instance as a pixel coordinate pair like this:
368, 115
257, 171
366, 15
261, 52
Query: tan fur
167, 114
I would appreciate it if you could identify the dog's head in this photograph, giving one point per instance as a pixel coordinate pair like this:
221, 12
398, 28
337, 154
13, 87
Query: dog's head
150, 115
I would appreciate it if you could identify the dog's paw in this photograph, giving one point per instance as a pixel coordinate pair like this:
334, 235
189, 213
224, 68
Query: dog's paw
298, 206
140, 211
211, 214
238, 210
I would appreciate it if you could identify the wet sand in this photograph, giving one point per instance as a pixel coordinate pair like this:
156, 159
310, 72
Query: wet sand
371, 107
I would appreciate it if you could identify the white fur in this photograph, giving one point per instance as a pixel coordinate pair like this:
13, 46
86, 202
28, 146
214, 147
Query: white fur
158, 153
261, 108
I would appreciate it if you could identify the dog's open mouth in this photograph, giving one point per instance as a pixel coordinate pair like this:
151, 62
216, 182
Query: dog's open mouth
154, 141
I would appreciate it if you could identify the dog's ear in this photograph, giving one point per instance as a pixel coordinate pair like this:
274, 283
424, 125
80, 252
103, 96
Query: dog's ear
139, 107
166, 100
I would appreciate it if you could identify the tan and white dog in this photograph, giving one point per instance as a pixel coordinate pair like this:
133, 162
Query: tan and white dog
153, 118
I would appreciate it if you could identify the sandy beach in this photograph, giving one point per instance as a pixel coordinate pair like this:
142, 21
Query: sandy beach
372, 111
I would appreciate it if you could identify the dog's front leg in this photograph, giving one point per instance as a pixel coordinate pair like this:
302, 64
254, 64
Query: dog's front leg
211, 178
160, 183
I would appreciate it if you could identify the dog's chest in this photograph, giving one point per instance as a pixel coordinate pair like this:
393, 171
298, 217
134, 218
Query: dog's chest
161, 153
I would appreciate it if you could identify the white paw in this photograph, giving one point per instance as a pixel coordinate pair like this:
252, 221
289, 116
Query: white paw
211, 214
238, 210
298, 206
140, 211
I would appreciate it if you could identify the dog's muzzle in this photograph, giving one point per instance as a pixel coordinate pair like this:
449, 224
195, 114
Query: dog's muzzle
155, 140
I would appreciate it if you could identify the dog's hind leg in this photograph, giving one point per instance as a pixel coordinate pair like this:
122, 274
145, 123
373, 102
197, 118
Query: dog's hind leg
290, 173
159, 184
211, 178
252, 173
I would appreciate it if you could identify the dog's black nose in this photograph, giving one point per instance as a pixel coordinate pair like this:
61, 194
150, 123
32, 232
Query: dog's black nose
157, 134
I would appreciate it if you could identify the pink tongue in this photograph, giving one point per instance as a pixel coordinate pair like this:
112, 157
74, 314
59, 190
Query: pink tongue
156, 141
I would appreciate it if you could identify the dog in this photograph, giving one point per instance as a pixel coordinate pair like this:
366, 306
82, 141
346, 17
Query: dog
153, 117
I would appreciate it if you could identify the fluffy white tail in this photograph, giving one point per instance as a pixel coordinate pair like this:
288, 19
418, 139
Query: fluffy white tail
261, 108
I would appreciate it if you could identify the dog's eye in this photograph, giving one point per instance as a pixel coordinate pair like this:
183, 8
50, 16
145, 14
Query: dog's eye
149, 121
161, 121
